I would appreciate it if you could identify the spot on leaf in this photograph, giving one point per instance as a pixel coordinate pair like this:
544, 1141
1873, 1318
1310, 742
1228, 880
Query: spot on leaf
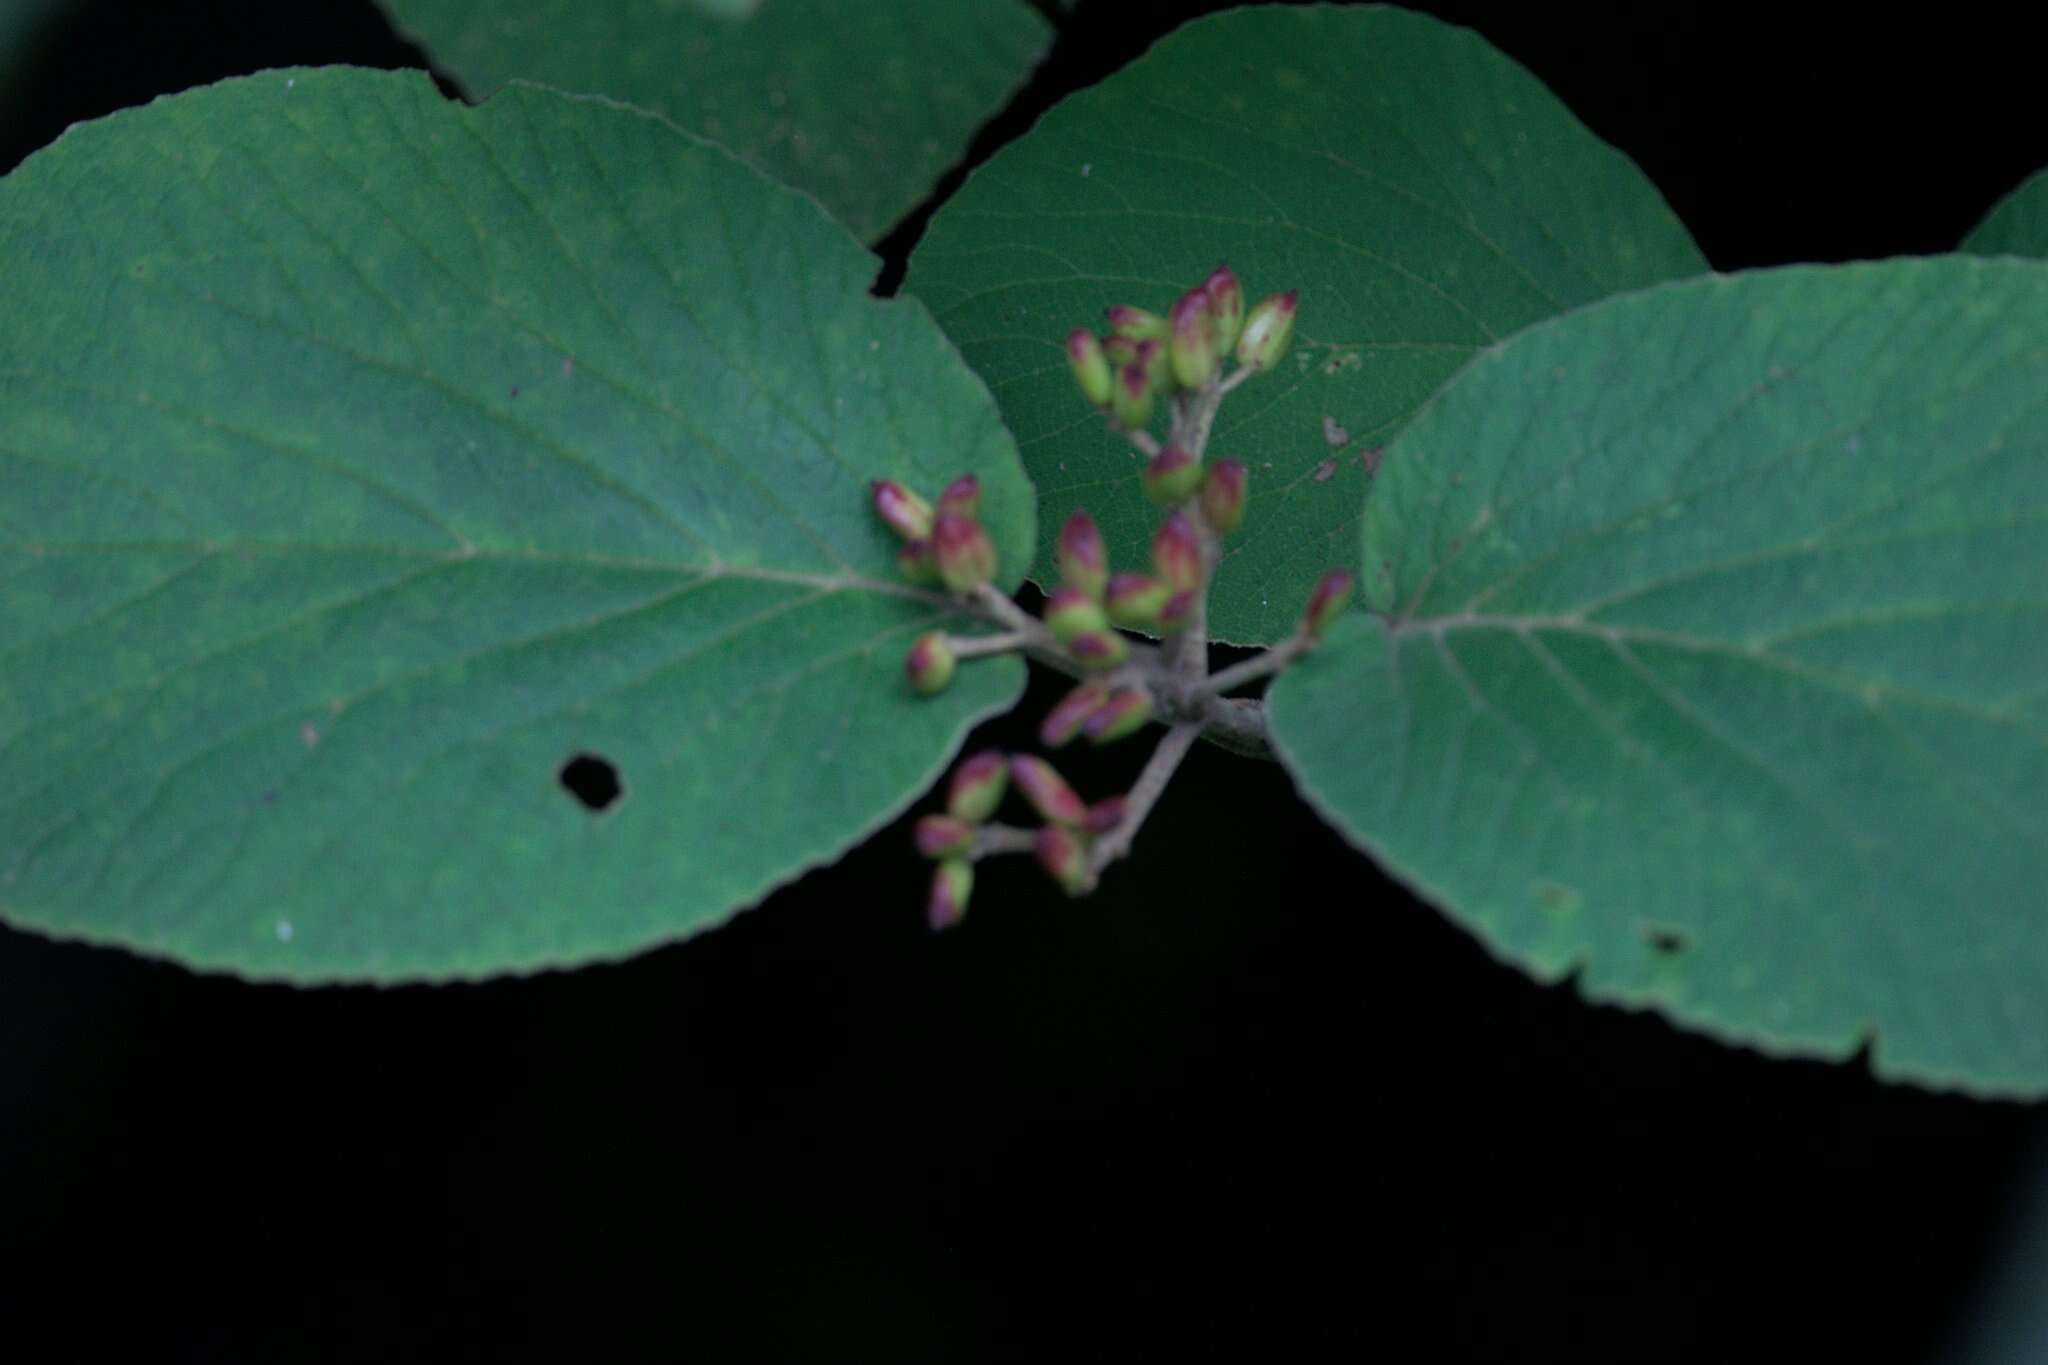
592, 780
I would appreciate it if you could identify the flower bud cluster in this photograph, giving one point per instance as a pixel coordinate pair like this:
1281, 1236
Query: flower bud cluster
943, 546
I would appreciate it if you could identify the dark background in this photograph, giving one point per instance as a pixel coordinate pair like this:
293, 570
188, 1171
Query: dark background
1250, 1097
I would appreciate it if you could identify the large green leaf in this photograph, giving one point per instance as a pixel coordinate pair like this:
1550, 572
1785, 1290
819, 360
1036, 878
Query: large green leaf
366, 458
1712, 661
1425, 194
863, 104
2017, 224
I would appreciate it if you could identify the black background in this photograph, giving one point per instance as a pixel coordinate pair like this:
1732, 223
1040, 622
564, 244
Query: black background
1250, 1097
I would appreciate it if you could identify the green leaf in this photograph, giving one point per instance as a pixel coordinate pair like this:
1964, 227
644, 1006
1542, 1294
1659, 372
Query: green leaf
2017, 224
367, 458
1711, 661
1425, 194
864, 105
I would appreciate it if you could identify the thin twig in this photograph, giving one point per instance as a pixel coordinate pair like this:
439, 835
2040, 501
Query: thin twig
1258, 666
1144, 794
990, 840
974, 646
1145, 442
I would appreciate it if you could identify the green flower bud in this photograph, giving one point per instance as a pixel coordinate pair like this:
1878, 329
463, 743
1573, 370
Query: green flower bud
930, 663
1080, 557
917, 563
1267, 330
1157, 361
1136, 323
1046, 790
978, 785
1097, 650
962, 496
1090, 366
943, 836
1223, 496
1069, 714
1124, 713
1172, 474
906, 513
1130, 403
1173, 616
952, 883
1176, 553
1332, 594
1070, 612
1192, 349
966, 556
1064, 858
1134, 600
1226, 301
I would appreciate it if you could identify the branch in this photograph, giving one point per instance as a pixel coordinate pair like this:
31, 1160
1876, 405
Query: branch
1144, 794
1256, 667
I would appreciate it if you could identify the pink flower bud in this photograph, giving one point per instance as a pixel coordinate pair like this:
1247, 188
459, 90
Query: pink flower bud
1172, 474
1082, 561
978, 785
952, 882
1124, 713
1174, 615
917, 563
1134, 600
1046, 790
1226, 301
943, 836
1332, 594
1090, 366
1069, 714
1135, 323
1157, 362
1130, 403
1223, 493
929, 663
1104, 816
1176, 554
962, 496
906, 513
1267, 330
1070, 612
1193, 348
966, 556
1097, 650
1064, 858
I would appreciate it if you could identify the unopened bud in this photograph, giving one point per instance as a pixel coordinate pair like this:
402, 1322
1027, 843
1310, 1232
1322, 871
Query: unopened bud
1135, 323
1267, 330
1046, 790
1097, 650
1064, 858
1172, 474
1090, 366
1176, 553
1332, 594
1124, 713
966, 556
1173, 616
943, 836
929, 663
907, 514
1105, 815
1157, 362
1226, 301
1223, 495
1069, 714
1131, 401
1070, 612
962, 496
1134, 600
978, 785
1080, 557
1193, 348
952, 883
917, 563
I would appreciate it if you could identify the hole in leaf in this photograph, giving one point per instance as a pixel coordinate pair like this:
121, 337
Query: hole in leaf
1665, 942
592, 780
